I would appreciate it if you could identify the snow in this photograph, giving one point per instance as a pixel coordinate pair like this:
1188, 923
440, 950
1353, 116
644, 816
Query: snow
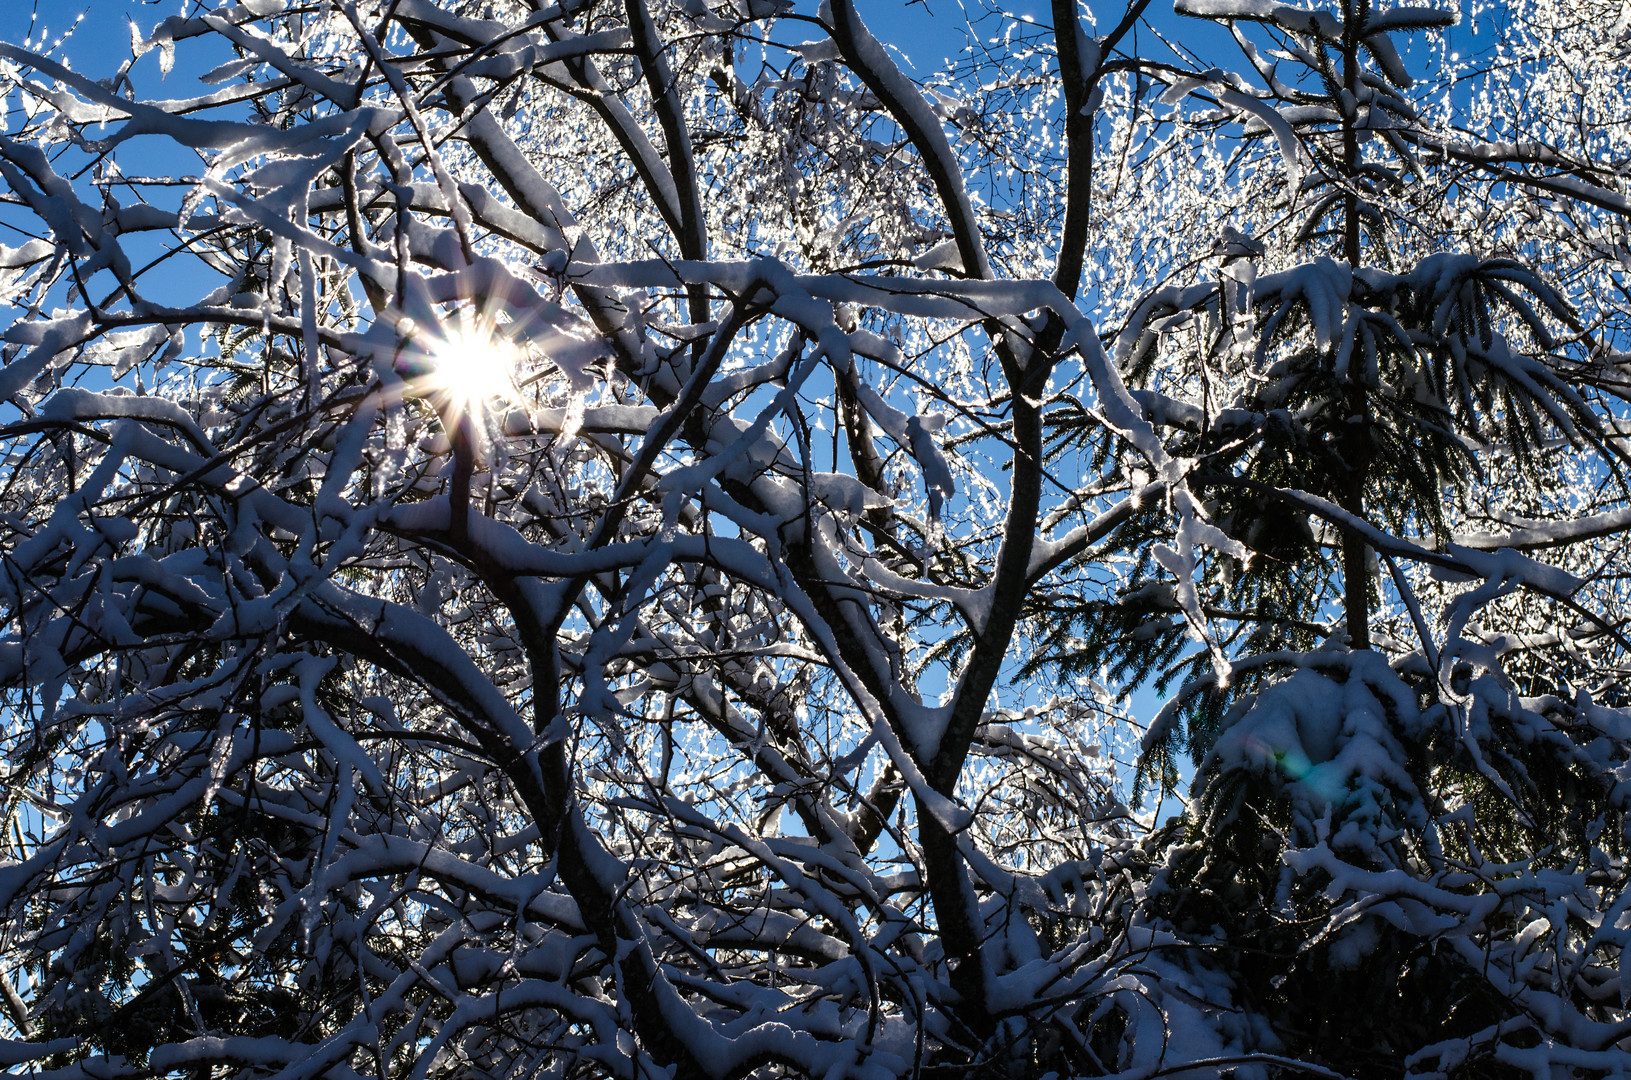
915, 434
868, 57
649, 758
1286, 16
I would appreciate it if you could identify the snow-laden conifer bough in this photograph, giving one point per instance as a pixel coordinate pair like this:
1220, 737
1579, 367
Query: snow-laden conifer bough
619, 539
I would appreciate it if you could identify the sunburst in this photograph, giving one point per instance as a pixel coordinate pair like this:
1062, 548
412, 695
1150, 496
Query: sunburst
472, 368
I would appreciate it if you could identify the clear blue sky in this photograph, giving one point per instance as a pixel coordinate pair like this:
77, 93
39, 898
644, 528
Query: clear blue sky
927, 30
102, 36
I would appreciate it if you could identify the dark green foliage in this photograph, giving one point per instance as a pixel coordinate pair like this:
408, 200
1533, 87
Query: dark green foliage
1358, 978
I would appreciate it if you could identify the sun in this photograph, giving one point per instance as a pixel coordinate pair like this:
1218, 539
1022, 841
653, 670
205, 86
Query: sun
472, 368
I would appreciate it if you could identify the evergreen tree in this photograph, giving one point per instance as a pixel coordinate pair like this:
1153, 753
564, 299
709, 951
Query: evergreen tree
1375, 823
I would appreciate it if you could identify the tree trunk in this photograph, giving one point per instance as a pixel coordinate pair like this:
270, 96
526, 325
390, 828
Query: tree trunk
1356, 450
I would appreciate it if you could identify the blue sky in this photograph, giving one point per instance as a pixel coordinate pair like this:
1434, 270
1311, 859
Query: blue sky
926, 33
926, 30
102, 34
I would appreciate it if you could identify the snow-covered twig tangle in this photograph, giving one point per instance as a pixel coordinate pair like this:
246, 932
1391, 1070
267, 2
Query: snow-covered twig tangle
636, 539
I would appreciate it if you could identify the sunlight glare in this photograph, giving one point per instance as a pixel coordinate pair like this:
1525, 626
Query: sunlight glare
473, 368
